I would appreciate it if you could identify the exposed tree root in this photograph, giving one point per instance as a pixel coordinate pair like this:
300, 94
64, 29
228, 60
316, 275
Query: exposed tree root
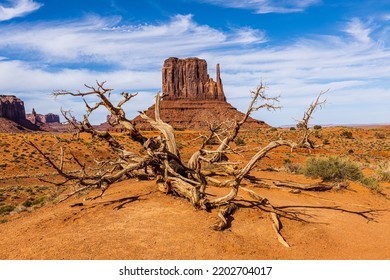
224, 213
277, 227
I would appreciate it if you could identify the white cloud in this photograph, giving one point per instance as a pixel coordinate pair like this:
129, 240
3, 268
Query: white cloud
266, 6
18, 8
355, 68
359, 31
102, 40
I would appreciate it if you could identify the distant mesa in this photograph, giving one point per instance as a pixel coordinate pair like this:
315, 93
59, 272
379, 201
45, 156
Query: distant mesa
13, 117
192, 99
43, 119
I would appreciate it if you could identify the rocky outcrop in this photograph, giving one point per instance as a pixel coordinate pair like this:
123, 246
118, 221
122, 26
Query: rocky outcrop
13, 115
188, 79
32, 117
192, 99
12, 108
51, 118
45, 119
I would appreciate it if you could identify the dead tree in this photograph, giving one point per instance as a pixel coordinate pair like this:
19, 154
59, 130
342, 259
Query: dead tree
161, 155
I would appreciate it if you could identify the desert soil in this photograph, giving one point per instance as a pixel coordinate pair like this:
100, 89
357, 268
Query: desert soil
133, 220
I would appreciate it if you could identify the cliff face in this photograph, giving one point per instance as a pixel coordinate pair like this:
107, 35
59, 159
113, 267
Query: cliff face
12, 108
188, 79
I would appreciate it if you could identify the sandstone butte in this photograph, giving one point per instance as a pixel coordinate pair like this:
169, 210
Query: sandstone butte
13, 117
40, 118
192, 98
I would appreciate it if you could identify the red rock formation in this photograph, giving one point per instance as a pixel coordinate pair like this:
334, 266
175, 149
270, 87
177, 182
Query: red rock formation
49, 118
32, 117
13, 117
188, 79
39, 118
12, 108
192, 98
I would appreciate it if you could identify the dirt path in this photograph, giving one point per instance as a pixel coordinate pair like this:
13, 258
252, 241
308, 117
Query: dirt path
134, 221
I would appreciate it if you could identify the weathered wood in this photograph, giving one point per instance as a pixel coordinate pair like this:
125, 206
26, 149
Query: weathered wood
319, 187
223, 215
277, 227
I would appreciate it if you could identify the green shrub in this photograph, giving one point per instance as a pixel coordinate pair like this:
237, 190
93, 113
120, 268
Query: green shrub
317, 127
6, 209
346, 134
293, 128
336, 169
380, 135
332, 169
239, 141
40, 200
27, 203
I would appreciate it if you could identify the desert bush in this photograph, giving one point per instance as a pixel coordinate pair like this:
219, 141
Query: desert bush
317, 127
293, 128
336, 169
27, 203
346, 134
239, 141
325, 142
40, 200
379, 135
331, 169
6, 209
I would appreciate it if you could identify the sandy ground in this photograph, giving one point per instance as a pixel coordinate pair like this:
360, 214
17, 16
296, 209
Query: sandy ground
134, 221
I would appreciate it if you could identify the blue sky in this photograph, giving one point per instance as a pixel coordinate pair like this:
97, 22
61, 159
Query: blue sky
297, 48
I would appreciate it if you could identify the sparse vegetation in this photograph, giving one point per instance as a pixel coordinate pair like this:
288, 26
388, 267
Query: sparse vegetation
379, 135
346, 134
6, 209
317, 127
240, 141
337, 169
331, 169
